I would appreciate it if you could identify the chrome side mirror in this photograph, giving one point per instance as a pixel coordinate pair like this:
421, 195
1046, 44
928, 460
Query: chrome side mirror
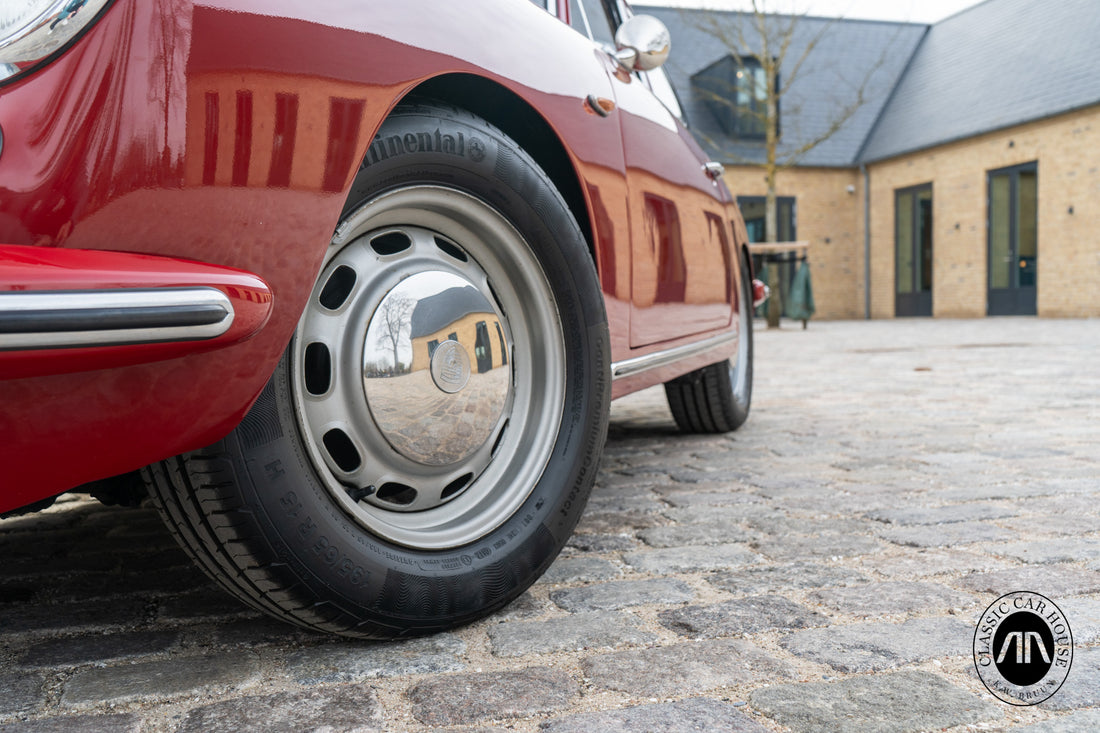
643, 43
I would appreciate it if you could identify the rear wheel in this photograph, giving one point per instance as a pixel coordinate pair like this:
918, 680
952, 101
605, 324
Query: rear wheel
429, 439
716, 398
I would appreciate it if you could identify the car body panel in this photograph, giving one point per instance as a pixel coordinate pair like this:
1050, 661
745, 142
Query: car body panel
227, 132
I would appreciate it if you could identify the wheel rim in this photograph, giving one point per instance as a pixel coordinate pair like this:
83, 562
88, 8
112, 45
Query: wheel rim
429, 445
739, 377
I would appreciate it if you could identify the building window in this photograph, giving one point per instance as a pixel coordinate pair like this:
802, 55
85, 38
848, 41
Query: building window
735, 89
752, 210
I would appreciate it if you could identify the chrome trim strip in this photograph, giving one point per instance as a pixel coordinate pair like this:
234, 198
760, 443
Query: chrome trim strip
639, 364
85, 318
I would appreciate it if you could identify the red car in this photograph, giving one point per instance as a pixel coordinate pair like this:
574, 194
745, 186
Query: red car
349, 285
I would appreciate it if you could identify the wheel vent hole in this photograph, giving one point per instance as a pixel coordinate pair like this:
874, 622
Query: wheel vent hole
317, 366
395, 493
456, 486
391, 243
452, 249
342, 451
500, 437
338, 287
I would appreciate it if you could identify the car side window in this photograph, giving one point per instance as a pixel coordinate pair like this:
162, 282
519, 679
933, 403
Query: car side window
590, 18
542, 4
663, 90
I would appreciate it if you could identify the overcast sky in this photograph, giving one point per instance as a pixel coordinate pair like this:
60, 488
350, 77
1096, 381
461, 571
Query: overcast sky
916, 11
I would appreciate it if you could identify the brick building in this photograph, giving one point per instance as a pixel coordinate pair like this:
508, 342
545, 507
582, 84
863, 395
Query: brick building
964, 184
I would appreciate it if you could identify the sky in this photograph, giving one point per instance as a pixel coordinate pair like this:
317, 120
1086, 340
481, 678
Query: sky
915, 11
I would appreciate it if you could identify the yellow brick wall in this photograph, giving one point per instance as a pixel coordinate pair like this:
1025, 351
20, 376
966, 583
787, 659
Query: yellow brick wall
831, 219
1065, 148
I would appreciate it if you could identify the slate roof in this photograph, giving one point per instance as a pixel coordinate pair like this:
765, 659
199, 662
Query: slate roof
439, 311
997, 64
828, 81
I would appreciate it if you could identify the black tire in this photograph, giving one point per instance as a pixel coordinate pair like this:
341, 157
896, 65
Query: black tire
717, 397
272, 511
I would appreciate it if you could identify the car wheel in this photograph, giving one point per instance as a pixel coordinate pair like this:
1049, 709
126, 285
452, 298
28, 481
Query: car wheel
716, 398
429, 439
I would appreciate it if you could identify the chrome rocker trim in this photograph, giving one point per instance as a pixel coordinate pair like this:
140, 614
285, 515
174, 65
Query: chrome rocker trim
90, 318
639, 364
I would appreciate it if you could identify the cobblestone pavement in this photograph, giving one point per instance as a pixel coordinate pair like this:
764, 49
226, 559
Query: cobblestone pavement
822, 569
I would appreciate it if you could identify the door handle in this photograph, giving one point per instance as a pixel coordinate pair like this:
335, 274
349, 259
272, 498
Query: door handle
714, 169
600, 105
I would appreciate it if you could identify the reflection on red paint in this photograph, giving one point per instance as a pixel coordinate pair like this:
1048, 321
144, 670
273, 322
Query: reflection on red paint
719, 243
345, 117
210, 147
242, 140
282, 146
662, 231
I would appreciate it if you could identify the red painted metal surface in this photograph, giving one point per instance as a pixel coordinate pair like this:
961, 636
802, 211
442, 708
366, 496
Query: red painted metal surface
227, 132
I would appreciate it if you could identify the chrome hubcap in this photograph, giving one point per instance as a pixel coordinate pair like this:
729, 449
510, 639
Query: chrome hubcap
435, 367
428, 368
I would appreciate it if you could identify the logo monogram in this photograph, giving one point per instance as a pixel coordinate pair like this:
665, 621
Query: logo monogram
1022, 641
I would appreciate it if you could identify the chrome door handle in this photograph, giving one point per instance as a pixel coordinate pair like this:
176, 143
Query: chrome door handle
714, 169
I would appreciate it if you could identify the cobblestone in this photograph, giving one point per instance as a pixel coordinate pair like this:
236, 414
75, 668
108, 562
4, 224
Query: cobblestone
905, 701
1085, 613
1050, 551
744, 616
947, 535
699, 666
766, 578
689, 716
20, 693
622, 593
926, 563
942, 514
790, 548
688, 559
170, 678
72, 652
1082, 687
854, 528
77, 724
355, 662
1085, 721
1052, 581
867, 647
884, 599
336, 709
470, 698
599, 629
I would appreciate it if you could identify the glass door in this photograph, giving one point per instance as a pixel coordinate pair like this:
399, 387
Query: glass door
913, 251
1013, 240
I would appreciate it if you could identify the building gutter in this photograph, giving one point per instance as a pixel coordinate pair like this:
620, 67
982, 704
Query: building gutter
866, 241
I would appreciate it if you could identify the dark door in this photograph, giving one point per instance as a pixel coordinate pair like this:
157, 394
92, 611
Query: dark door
1013, 240
913, 251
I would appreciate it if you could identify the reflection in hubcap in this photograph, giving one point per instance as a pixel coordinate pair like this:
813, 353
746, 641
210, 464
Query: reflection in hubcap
435, 368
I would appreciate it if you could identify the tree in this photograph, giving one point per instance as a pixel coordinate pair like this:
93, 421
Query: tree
396, 315
768, 58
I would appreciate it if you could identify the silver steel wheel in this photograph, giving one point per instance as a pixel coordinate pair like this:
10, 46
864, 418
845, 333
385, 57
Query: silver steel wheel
428, 368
